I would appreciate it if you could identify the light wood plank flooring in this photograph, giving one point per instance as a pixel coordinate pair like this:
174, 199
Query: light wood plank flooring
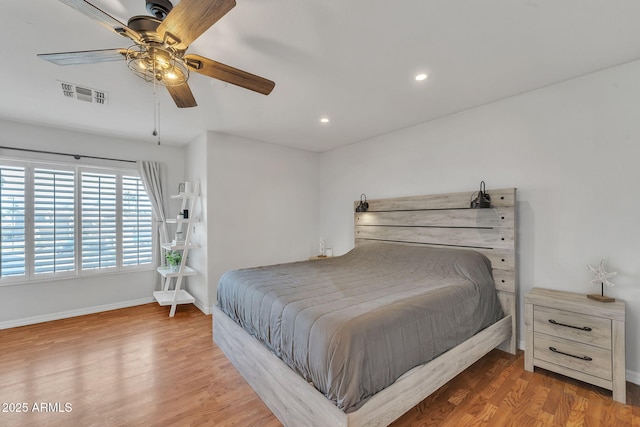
138, 367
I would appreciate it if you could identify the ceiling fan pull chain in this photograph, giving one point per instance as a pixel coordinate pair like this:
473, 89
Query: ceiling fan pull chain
158, 123
156, 113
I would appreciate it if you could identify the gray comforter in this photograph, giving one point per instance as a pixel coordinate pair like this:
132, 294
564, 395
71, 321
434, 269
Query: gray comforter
352, 325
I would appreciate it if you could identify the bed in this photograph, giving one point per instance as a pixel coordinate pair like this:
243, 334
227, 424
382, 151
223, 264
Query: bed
278, 340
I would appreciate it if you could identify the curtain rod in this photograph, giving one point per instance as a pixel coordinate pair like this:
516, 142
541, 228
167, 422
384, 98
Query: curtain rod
75, 156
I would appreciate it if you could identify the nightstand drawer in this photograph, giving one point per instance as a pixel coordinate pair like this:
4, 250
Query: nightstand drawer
573, 326
572, 355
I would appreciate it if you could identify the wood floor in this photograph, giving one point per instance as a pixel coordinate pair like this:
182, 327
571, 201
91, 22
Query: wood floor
138, 367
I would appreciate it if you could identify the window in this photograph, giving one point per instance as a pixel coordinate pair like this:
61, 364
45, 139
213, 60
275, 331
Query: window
61, 221
99, 220
12, 231
137, 230
54, 219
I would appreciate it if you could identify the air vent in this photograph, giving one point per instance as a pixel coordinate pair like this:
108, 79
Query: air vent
85, 94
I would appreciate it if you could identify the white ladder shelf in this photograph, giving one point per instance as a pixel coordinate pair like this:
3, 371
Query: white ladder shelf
172, 296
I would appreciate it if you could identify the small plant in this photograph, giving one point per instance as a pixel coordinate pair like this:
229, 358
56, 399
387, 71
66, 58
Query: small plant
174, 258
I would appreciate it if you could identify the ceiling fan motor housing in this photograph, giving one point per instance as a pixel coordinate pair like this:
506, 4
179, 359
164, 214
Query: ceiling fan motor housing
159, 8
146, 27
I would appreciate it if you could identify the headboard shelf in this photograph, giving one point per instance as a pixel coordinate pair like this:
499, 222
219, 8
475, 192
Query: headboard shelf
499, 198
460, 217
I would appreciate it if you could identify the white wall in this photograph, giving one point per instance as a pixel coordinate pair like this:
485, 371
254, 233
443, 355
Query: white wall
262, 205
196, 171
30, 302
571, 150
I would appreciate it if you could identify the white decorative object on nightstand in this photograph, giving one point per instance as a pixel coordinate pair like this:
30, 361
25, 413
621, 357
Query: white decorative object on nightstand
602, 278
574, 336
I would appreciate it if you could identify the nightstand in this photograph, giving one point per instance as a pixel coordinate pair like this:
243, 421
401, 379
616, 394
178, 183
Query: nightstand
569, 334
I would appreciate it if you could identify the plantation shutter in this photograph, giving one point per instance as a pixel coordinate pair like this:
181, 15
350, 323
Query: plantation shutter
54, 234
137, 223
99, 217
12, 222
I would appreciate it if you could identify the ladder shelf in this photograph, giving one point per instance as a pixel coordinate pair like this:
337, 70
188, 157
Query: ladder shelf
173, 292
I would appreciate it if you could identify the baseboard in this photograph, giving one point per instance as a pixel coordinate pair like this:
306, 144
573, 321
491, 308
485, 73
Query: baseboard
633, 377
73, 313
202, 307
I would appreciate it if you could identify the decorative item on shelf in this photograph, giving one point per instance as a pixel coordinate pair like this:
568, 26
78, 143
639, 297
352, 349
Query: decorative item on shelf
323, 247
482, 198
602, 278
178, 239
181, 188
180, 216
174, 259
187, 187
185, 214
363, 206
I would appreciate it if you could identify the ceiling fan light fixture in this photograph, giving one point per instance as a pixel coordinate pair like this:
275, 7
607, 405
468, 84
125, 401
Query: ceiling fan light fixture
155, 63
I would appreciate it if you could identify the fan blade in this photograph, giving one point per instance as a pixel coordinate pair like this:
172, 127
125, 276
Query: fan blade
84, 56
182, 96
226, 73
190, 18
103, 18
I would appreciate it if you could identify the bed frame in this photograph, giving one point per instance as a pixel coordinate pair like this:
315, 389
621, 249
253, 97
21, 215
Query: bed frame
434, 220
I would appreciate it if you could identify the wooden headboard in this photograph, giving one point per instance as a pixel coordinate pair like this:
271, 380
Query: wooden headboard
446, 220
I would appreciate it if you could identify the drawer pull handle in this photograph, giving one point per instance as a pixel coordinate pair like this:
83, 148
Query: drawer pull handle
581, 328
555, 350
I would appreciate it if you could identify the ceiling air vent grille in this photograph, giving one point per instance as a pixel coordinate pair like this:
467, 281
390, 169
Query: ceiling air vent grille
86, 94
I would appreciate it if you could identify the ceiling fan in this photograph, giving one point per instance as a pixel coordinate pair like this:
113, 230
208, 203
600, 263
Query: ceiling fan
161, 41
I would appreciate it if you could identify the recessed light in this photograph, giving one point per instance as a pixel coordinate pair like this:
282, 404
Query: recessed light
420, 77
324, 120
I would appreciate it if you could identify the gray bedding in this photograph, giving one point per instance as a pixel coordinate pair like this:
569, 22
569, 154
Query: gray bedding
352, 325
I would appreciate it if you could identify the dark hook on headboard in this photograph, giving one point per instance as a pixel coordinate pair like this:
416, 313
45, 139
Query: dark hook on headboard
482, 200
363, 206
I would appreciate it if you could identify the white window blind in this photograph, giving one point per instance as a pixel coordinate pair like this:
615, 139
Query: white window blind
99, 233
63, 220
12, 222
137, 223
54, 220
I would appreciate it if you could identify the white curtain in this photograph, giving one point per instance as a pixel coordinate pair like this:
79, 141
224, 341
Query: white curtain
150, 176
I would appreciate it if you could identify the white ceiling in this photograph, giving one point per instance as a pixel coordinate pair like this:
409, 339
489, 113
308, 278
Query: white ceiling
353, 61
